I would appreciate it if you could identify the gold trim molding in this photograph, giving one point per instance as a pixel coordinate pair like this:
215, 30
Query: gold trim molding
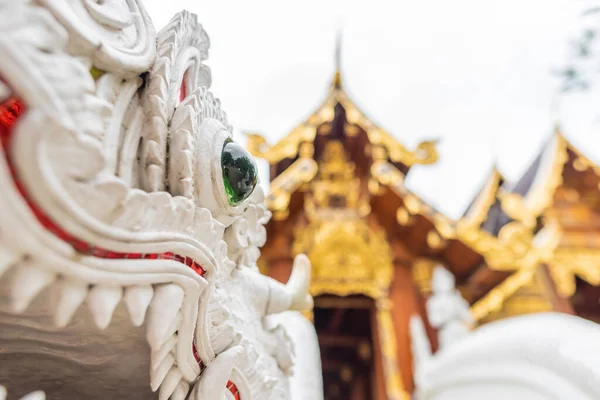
425, 153
542, 196
568, 263
389, 351
524, 292
513, 249
422, 274
347, 258
478, 213
301, 171
494, 300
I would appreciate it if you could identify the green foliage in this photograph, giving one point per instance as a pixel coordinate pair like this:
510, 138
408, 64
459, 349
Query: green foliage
574, 76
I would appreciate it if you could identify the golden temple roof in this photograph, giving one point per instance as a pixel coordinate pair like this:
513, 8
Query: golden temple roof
288, 147
480, 208
506, 224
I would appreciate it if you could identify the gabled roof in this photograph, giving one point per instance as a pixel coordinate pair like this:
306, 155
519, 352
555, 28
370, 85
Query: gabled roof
535, 193
537, 185
287, 148
483, 210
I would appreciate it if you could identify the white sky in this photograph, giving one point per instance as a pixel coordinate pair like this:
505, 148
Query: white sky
475, 73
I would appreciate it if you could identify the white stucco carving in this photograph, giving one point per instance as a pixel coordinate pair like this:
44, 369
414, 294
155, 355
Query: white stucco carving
537, 356
446, 309
114, 196
38, 395
420, 346
247, 234
306, 382
546, 356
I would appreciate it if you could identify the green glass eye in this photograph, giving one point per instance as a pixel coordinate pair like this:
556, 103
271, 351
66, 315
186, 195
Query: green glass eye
239, 172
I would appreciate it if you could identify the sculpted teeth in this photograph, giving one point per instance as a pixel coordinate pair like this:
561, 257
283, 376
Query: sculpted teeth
7, 260
186, 167
157, 376
163, 314
173, 328
39, 395
162, 303
28, 282
70, 296
157, 357
102, 301
154, 153
155, 174
169, 384
181, 391
137, 299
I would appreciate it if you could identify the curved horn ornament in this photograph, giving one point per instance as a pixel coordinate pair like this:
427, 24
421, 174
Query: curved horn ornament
116, 35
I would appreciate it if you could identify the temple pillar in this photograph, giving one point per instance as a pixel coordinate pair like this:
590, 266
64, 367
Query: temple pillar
388, 345
404, 303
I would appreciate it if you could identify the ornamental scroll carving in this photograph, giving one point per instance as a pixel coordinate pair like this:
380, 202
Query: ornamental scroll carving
347, 258
116, 195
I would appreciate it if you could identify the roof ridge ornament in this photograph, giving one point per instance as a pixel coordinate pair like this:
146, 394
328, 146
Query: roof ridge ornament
337, 78
288, 146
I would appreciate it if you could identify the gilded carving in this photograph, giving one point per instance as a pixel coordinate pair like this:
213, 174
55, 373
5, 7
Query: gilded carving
514, 247
301, 171
434, 240
542, 195
337, 187
568, 263
514, 206
521, 293
484, 201
422, 272
493, 301
286, 148
347, 258
393, 381
403, 217
425, 153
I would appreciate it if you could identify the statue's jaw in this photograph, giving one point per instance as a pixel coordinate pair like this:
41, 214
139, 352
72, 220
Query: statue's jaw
77, 361
40, 256
37, 395
119, 182
64, 322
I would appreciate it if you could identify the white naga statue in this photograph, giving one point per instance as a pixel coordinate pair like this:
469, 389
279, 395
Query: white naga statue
446, 309
130, 220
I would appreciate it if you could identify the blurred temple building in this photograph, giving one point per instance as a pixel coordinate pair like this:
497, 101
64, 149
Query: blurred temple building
337, 194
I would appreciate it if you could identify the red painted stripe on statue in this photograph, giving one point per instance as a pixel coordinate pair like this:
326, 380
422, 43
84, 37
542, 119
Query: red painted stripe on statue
10, 111
233, 389
195, 351
183, 88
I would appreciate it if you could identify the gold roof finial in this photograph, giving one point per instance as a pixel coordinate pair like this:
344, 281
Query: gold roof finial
557, 128
337, 78
494, 151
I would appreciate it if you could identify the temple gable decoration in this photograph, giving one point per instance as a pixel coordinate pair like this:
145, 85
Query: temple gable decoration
338, 194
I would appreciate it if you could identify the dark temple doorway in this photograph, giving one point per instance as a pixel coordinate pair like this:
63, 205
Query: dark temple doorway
344, 328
